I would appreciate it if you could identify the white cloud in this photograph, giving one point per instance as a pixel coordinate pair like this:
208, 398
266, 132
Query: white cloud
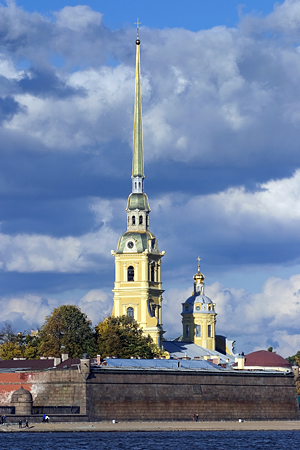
38, 253
97, 305
78, 18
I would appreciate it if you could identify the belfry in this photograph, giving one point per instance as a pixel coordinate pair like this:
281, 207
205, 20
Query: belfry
138, 288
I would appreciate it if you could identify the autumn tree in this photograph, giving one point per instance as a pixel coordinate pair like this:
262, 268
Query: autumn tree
122, 337
67, 330
20, 345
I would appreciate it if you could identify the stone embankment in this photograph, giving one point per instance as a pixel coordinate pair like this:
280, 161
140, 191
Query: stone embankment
155, 426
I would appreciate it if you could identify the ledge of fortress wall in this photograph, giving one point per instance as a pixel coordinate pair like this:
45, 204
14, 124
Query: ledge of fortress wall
136, 395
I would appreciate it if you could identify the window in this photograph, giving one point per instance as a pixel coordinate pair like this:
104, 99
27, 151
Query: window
141, 220
130, 273
130, 312
209, 308
133, 220
139, 184
209, 331
135, 185
187, 331
198, 330
152, 272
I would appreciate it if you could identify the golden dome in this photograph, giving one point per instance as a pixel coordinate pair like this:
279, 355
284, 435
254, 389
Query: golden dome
199, 277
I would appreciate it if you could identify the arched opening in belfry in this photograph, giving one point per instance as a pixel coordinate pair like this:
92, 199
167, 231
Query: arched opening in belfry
130, 273
133, 220
152, 271
141, 220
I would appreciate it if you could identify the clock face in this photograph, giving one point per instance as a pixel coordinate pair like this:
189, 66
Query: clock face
197, 308
130, 244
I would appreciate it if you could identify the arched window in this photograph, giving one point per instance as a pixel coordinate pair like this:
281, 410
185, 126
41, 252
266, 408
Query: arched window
139, 184
133, 220
198, 330
135, 185
130, 273
209, 331
152, 272
130, 312
141, 220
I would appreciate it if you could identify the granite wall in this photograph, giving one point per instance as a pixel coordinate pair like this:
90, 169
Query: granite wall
153, 395
107, 394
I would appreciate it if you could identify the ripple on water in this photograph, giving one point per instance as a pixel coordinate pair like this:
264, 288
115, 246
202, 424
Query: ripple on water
212, 440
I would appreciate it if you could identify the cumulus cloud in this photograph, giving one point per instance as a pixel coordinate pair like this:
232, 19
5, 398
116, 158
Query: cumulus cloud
97, 305
231, 220
29, 311
38, 253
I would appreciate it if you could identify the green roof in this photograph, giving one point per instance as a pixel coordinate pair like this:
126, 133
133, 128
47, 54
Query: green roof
138, 201
140, 238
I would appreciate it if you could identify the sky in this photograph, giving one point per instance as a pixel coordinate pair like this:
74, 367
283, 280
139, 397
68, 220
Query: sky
221, 123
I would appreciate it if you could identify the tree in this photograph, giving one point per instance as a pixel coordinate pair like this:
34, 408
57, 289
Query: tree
294, 358
6, 332
122, 337
21, 345
67, 330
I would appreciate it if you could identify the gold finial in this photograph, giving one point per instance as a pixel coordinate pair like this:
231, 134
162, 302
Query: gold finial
199, 277
137, 23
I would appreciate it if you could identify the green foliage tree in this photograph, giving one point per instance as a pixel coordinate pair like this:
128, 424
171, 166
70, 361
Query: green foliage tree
67, 330
21, 345
122, 337
292, 359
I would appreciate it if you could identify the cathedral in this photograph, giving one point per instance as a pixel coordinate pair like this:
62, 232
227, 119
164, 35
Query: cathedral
138, 286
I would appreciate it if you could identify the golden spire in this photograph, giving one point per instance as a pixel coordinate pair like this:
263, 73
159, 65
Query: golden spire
138, 157
199, 277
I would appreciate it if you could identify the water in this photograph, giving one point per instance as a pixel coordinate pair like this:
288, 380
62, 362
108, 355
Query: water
212, 440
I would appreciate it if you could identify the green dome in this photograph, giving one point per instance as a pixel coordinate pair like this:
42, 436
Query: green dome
142, 241
138, 201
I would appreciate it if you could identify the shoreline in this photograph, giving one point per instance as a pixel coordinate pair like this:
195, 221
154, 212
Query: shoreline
153, 426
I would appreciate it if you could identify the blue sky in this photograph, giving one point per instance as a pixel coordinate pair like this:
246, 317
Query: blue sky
221, 117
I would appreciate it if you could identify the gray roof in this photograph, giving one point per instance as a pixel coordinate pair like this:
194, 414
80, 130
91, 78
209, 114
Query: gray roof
189, 349
160, 364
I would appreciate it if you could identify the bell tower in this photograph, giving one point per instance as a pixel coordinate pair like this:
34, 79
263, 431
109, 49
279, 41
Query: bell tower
138, 287
199, 315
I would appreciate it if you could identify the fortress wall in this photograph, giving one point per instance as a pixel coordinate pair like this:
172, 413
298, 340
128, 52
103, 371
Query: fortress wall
140, 395
128, 394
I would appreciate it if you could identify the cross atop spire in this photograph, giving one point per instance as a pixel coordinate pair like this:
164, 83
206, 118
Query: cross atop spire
137, 23
199, 259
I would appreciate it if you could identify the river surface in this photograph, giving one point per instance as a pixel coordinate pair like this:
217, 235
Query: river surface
170, 440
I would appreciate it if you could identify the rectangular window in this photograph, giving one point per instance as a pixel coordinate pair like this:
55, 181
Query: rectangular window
198, 330
209, 331
187, 331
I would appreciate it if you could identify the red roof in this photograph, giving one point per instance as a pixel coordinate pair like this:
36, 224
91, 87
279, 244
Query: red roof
263, 358
27, 364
